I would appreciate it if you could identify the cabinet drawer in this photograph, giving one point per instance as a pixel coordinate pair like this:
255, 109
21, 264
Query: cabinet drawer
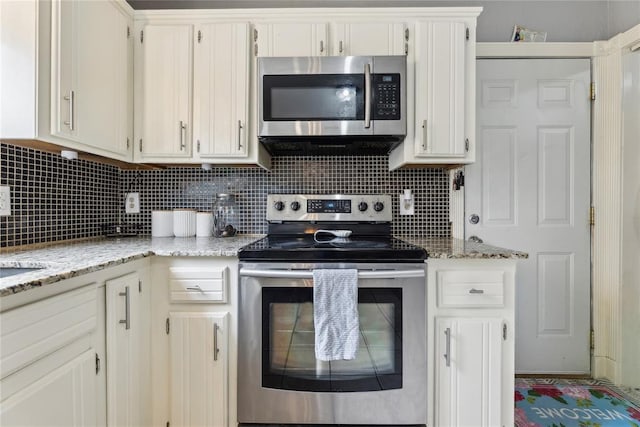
470, 288
198, 284
31, 332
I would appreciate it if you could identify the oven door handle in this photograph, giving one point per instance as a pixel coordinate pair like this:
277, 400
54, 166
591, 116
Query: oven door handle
308, 274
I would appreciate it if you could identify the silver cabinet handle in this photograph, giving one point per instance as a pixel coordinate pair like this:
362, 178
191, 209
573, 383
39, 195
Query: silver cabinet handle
340, 47
476, 291
71, 98
367, 96
215, 342
321, 46
183, 129
425, 139
127, 308
447, 354
195, 288
239, 135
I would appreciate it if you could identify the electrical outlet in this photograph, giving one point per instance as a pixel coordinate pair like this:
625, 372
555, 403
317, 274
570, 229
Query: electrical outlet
5, 200
132, 205
406, 202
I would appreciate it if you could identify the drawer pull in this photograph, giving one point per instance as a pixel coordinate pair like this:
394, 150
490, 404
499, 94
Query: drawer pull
127, 308
195, 288
476, 291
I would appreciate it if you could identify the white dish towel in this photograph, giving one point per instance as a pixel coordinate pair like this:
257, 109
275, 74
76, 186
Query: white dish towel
335, 314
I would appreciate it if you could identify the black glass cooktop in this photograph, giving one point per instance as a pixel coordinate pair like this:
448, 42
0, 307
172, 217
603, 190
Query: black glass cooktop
326, 249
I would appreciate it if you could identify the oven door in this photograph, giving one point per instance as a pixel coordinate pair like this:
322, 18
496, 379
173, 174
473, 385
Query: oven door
281, 382
315, 96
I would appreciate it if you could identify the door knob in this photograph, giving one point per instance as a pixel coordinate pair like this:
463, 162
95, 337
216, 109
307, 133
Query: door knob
474, 219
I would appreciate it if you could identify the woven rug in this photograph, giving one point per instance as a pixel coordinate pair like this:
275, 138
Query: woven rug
566, 403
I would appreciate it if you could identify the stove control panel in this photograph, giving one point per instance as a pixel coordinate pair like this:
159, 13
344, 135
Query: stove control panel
329, 207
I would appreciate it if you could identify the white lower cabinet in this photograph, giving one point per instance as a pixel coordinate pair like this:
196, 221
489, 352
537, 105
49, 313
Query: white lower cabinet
194, 341
65, 396
124, 362
199, 369
468, 371
470, 306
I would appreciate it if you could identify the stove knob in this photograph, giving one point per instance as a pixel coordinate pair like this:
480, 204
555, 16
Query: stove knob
378, 206
295, 206
279, 205
363, 206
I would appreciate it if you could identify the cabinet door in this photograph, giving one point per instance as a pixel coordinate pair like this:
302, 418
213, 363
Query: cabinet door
123, 351
468, 353
103, 66
166, 91
65, 396
440, 89
370, 38
291, 39
221, 90
199, 369
64, 75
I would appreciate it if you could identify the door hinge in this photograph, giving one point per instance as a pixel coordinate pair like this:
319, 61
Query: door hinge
592, 340
406, 48
128, 32
255, 35
592, 91
255, 49
504, 331
592, 216
406, 34
466, 145
466, 33
167, 326
97, 364
128, 143
141, 36
198, 145
139, 285
199, 36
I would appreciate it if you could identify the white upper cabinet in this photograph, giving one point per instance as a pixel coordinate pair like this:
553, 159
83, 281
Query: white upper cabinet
104, 80
221, 90
442, 127
66, 72
64, 68
370, 38
330, 38
440, 89
292, 39
165, 80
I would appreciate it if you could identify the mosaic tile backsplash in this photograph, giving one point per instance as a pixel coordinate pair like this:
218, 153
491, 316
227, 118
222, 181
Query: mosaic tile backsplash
57, 199
54, 198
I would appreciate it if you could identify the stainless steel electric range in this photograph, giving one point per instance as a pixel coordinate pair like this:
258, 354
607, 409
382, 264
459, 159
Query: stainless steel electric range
279, 379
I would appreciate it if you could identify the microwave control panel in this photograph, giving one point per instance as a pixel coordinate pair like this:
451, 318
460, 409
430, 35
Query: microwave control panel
386, 96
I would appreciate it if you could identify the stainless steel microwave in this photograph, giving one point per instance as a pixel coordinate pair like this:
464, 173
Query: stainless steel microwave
332, 104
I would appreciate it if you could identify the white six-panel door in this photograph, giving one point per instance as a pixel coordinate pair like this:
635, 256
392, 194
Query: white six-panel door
530, 190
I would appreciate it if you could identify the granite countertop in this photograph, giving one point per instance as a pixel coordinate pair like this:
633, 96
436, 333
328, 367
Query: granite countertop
65, 260
62, 261
450, 248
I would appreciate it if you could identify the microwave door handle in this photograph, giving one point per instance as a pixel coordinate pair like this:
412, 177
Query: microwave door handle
367, 96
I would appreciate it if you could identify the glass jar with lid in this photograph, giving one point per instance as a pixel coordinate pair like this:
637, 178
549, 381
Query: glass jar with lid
225, 216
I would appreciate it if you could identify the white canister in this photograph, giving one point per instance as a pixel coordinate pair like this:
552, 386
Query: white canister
204, 222
162, 223
184, 222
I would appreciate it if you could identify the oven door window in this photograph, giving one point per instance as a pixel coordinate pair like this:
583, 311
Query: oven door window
288, 352
317, 97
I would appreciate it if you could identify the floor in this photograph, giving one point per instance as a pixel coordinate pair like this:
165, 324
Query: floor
631, 394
